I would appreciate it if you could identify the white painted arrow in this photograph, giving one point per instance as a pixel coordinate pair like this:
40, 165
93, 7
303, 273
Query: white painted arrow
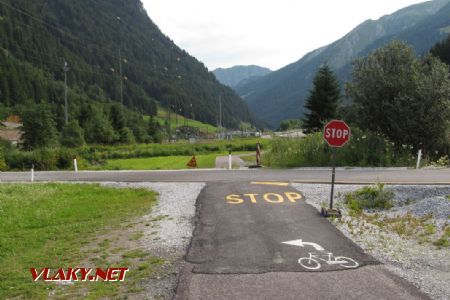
302, 244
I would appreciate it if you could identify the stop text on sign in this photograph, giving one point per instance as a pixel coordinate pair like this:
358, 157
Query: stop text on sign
336, 133
273, 198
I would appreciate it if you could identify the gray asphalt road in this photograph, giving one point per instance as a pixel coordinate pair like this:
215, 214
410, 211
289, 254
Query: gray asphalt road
239, 251
316, 175
236, 162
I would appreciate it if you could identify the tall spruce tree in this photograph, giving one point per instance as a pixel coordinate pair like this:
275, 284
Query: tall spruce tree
38, 126
442, 50
323, 100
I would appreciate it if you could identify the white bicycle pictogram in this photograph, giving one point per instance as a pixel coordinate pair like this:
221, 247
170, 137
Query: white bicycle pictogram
313, 261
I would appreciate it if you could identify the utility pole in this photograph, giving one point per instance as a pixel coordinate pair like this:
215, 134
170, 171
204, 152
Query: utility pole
120, 61
65, 69
168, 113
220, 116
176, 117
121, 78
192, 114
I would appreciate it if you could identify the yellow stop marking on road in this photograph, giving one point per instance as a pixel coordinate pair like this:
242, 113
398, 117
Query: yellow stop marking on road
273, 198
270, 183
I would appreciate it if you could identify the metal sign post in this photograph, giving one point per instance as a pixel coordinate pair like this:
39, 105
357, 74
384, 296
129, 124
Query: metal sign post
258, 154
333, 173
336, 133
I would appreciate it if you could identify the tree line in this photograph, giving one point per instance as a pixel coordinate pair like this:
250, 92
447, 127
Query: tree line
392, 92
106, 44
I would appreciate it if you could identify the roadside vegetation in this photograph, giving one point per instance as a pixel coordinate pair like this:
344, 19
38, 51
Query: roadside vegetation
371, 206
364, 149
50, 225
101, 156
369, 197
399, 105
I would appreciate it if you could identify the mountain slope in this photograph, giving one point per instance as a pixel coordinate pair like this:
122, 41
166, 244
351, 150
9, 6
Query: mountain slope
234, 76
37, 36
281, 94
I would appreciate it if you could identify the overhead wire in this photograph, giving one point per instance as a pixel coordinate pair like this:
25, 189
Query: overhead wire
159, 71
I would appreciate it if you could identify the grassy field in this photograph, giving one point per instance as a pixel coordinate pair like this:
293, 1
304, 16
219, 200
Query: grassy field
161, 117
96, 156
47, 225
159, 163
204, 161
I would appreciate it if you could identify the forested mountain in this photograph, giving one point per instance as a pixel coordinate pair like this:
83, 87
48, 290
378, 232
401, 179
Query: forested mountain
281, 94
93, 36
237, 75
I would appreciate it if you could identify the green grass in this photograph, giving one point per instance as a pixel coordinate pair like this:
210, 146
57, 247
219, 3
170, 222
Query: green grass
159, 163
364, 149
369, 197
161, 117
46, 225
95, 156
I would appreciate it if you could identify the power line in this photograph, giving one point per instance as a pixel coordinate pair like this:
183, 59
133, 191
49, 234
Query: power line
113, 57
58, 28
159, 71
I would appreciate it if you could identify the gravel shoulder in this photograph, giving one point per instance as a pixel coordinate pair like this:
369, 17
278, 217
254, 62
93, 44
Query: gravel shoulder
401, 237
165, 233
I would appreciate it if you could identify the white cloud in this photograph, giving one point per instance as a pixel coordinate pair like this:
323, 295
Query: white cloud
270, 33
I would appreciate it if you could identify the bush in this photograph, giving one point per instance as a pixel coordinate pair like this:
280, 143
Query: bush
61, 158
42, 159
364, 149
3, 166
72, 135
370, 198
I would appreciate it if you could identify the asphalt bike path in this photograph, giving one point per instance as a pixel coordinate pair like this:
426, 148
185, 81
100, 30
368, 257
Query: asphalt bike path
262, 241
257, 228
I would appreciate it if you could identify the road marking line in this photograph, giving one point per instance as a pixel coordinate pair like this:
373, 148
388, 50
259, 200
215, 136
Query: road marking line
373, 182
301, 243
270, 183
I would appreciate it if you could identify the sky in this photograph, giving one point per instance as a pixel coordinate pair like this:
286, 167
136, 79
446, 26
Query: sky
268, 33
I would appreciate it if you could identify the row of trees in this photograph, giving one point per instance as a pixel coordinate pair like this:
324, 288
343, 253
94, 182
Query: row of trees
96, 124
392, 92
37, 36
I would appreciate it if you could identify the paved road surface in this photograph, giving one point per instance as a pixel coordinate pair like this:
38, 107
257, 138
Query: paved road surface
237, 251
236, 162
316, 175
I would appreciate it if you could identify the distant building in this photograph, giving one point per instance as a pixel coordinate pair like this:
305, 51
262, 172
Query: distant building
14, 119
10, 130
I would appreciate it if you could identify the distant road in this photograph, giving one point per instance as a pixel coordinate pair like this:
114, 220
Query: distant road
307, 175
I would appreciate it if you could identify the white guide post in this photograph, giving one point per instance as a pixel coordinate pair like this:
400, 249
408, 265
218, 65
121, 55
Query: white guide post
419, 156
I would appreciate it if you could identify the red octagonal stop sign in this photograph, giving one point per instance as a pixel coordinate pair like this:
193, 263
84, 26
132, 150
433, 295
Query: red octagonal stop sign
336, 133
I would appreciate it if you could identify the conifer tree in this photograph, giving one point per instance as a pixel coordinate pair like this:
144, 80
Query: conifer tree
323, 100
72, 135
442, 50
38, 126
